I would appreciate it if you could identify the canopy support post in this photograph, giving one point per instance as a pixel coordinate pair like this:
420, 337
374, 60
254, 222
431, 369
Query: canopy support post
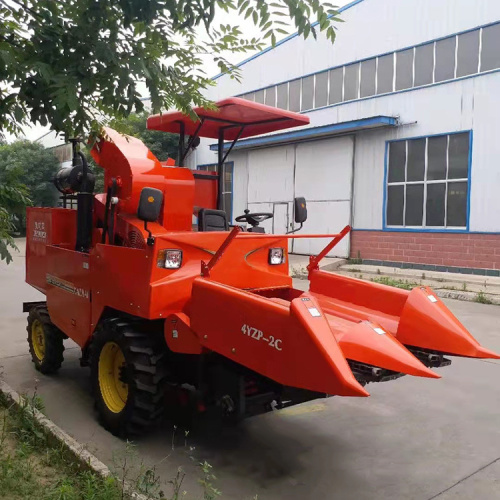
220, 169
182, 137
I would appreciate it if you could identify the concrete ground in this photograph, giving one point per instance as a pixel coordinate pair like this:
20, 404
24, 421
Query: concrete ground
412, 439
468, 287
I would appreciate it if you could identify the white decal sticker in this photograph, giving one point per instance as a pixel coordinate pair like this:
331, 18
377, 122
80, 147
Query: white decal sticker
259, 335
314, 312
67, 286
380, 331
432, 298
39, 232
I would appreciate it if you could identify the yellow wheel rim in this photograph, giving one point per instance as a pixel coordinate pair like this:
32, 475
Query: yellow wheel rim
114, 392
38, 339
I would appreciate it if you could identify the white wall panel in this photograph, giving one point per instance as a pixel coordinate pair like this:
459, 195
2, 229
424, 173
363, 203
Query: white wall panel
369, 180
324, 217
323, 169
485, 172
271, 174
240, 182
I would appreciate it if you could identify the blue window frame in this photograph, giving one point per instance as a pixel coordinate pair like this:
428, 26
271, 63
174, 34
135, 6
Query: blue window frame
427, 183
227, 185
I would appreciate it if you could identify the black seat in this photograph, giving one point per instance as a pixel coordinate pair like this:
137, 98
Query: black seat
212, 220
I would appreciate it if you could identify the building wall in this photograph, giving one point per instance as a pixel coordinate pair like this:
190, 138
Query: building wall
458, 106
371, 27
438, 251
471, 103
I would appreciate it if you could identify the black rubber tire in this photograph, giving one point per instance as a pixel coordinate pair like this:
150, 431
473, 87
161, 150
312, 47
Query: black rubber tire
145, 372
53, 337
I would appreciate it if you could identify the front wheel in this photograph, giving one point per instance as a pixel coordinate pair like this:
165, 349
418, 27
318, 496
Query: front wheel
128, 376
45, 341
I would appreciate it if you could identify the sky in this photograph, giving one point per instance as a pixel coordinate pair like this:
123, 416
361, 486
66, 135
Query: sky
249, 30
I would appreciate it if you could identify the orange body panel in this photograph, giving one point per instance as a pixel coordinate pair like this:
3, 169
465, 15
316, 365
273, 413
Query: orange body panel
179, 335
69, 292
46, 226
271, 338
205, 191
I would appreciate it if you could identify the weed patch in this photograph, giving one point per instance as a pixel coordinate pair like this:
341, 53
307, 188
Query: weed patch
482, 299
398, 283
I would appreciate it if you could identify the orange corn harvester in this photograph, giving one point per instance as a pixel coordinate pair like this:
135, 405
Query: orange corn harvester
206, 312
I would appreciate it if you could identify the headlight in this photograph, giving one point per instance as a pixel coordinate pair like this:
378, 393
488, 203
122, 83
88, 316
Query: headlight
276, 256
169, 259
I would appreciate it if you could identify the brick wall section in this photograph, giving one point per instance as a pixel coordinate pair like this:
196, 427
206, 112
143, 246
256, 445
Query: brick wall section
480, 251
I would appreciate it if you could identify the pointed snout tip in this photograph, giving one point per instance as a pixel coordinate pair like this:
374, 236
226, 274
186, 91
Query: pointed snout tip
482, 352
429, 374
361, 391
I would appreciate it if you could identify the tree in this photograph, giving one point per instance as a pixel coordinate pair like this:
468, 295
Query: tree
26, 174
161, 144
30, 164
70, 64
13, 200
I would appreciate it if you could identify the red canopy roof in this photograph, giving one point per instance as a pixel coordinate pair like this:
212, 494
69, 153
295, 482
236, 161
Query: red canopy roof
231, 114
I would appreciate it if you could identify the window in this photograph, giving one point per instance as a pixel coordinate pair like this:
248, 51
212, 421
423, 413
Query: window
427, 182
259, 96
336, 81
294, 96
385, 74
424, 64
415, 170
468, 53
490, 55
445, 59
271, 96
368, 70
321, 95
282, 91
404, 69
307, 93
457, 56
351, 82
227, 186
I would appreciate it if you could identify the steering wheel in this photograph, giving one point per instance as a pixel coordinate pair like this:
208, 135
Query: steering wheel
254, 218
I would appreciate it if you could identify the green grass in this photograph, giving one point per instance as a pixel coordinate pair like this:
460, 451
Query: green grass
33, 467
398, 283
482, 299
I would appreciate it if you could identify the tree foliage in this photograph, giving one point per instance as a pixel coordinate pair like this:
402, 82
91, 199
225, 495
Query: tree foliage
26, 173
13, 201
161, 144
30, 164
72, 63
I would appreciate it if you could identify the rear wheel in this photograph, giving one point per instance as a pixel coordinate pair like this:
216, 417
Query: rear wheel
128, 376
45, 341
